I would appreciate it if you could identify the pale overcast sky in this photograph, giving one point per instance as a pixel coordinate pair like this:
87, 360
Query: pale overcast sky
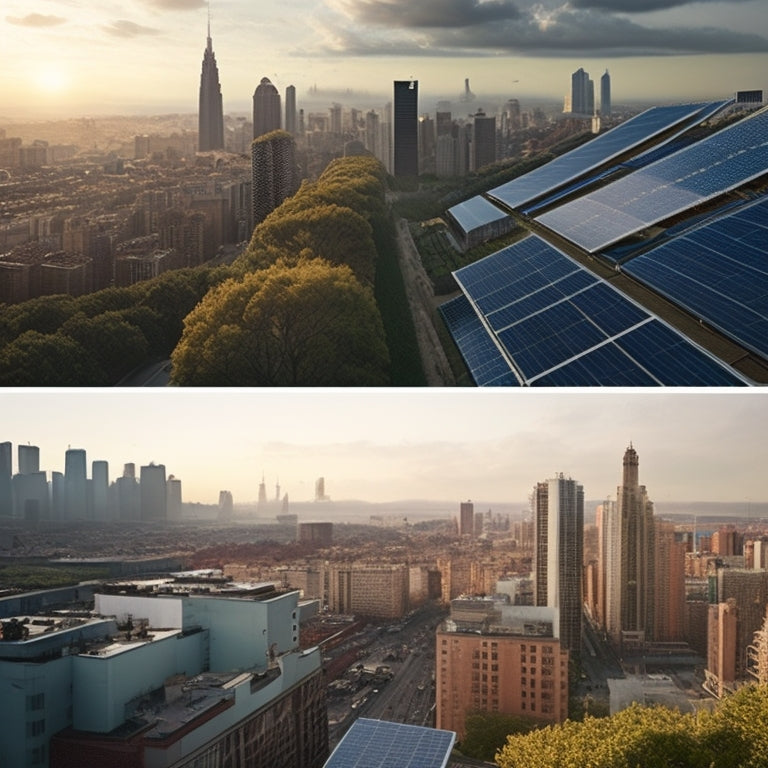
389, 445
62, 57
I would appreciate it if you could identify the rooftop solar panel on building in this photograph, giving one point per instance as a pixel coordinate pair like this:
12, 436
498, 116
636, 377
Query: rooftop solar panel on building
485, 362
722, 162
383, 744
719, 272
551, 322
476, 212
598, 151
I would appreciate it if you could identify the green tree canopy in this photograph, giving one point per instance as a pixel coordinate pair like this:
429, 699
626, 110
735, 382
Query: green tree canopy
735, 735
310, 324
333, 233
48, 360
111, 341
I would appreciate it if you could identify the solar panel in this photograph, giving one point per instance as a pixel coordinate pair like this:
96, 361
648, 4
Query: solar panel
531, 315
598, 151
715, 165
719, 272
485, 362
476, 212
383, 744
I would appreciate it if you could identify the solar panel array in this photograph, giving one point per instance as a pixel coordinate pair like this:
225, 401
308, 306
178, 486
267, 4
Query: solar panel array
481, 354
383, 744
715, 165
476, 212
556, 324
598, 151
719, 272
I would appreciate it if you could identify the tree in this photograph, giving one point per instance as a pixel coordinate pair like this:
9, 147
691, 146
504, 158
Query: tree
330, 232
735, 735
312, 324
486, 732
48, 360
112, 342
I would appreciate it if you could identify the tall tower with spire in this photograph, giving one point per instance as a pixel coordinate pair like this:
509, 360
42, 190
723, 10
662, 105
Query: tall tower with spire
210, 132
636, 522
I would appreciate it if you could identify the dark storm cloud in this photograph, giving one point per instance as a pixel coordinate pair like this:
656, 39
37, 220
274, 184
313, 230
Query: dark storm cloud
432, 13
123, 28
35, 20
561, 32
642, 6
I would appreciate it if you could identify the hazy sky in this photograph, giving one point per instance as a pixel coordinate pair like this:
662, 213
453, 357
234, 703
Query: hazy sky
63, 57
387, 445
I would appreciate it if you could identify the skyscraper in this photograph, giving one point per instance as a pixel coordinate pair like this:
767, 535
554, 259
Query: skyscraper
582, 93
6, 473
558, 509
152, 486
636, 519
75, 485
274, 173
467, 519
210, 132
291, 117
605, 95
483, 140
406, 136
266, 108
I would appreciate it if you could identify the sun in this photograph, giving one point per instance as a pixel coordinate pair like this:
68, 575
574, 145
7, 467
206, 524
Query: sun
52, 79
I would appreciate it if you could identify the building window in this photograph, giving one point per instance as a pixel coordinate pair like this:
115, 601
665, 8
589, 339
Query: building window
35, 728
35, 702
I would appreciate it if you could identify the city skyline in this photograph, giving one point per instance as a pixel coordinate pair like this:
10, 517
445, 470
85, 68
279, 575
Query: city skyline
393, 445
66, 59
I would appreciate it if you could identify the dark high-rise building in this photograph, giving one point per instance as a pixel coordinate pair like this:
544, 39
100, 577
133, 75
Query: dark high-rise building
467, 518
483, 140
558, 510
274, 173
406, 125
210, 132
605, 94
291, 117
582, 93
266, 108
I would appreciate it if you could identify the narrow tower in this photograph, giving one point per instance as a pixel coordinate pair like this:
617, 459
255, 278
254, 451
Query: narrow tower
636, 520
210, 132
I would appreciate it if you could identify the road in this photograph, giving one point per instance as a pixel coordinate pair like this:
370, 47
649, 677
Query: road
156, 374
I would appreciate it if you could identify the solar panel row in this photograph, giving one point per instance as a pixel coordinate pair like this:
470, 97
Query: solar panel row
559, 324
711, 167
598, 151
718, 271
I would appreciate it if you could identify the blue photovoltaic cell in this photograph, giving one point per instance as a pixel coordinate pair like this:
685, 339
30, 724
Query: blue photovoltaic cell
574, 330
485, 362
605, 366
719, 272
596, 152
383, 744
476, 212
715, 165
674, 360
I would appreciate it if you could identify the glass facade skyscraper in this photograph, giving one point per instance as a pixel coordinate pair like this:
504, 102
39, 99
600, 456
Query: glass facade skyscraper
406, 133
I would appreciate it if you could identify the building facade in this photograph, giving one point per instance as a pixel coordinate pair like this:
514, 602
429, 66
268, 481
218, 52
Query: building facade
494, 657
116, 689
558, 506
274, 172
